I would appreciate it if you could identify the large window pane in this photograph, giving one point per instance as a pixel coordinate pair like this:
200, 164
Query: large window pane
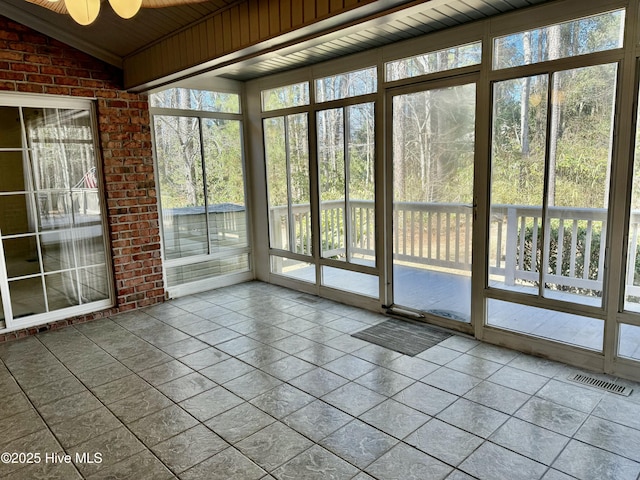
331, 153
181, 186
517, 182
580, 150
571, 154
577, 37
225, 183
287, 165
346, 171
432, 62
200, 170
275, 151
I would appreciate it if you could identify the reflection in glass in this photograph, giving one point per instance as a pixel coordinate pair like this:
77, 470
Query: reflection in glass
21, 256
93, 283
62, 148
57, 251
50, 209
56, 210
62, 289
16, 215
27, 297
10, 127
12, 168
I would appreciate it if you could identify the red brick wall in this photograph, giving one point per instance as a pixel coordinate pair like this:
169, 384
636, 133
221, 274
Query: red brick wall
31, 62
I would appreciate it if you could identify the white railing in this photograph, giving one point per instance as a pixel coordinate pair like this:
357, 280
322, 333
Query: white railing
515, 229
439, 234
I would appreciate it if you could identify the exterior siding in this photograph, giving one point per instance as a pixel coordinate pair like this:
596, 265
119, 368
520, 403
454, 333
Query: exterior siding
31, 62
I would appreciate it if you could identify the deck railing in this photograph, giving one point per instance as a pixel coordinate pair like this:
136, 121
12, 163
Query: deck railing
439, 234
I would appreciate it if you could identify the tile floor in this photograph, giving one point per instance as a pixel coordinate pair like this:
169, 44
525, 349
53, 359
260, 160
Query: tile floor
259, 382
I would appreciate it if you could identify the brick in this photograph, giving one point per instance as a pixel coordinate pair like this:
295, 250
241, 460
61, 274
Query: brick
31, 62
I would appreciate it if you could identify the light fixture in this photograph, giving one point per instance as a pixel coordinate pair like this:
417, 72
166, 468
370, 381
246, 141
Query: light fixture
86, 11
83, 11
126, 8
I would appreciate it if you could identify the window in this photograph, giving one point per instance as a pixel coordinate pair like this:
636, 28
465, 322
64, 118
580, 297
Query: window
439, 61
347, 85
51, 214
577, 37
197, 100
285, 97
287, 161
202, 190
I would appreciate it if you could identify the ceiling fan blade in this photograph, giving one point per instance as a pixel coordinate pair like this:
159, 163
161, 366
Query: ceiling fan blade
57, 7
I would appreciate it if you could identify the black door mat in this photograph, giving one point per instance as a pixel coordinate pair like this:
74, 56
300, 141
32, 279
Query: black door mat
404, 336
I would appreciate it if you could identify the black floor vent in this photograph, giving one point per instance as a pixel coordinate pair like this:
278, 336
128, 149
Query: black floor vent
596, 382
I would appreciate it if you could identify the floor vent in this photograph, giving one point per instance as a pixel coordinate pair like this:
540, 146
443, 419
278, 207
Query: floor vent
596, 382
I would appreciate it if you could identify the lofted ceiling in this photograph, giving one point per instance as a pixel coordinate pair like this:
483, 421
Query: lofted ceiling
113, 39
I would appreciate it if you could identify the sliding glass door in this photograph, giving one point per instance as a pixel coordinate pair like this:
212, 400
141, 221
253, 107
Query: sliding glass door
433, 164
52, 241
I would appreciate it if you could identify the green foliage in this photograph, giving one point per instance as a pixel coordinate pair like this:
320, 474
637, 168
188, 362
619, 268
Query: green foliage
532, 253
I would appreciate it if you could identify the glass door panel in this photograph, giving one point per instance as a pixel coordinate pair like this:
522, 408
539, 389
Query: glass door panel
433, 155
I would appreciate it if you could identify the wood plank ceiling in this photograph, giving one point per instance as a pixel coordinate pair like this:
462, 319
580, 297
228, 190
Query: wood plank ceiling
143, 38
